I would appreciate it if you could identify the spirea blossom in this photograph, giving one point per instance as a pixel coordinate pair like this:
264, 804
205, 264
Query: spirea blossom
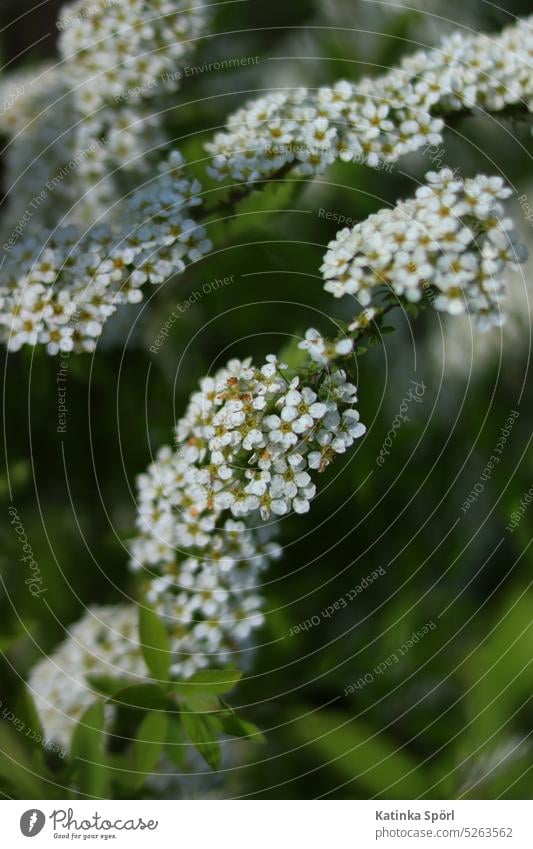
61, 291
377, 119
105, 643
451, 242
122, 50
77, 127
247, 451
78, 237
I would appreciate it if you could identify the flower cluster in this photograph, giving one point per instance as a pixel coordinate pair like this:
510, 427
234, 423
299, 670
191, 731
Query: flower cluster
247, 449
376, 118
119, 59
79, 238
122, 50
60, 293
76, 126
450, 242
103, 643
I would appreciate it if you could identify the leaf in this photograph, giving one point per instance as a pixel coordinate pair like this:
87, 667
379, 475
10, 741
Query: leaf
499, 672
106, 685
88, 749
176, 747
18, 768
25, 710
359, 755
201, 702
202, 731
216, 681
130, 704
155, 643
233, 725
140, 697
147, 748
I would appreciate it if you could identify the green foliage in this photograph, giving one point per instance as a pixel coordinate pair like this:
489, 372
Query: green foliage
361, 756
155, 643
212, 681
149, 744
202, 729
88, 756
151, 721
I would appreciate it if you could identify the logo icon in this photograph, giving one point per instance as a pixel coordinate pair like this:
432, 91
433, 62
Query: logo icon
32, 822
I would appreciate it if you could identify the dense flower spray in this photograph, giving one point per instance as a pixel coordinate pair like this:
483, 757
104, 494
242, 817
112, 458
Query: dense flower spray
451, 242
61, 293
96, 204
247, 450
377, 119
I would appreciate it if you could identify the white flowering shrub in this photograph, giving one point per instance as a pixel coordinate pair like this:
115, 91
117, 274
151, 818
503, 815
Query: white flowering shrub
379, 118
451, 242
96, 206
121, 209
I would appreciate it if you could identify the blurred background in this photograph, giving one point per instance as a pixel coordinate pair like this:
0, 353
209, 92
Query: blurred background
352, 704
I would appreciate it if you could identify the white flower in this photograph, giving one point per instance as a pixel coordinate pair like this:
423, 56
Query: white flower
437, 255
377, 118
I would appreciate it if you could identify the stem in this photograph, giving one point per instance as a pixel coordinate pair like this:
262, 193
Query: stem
245, 190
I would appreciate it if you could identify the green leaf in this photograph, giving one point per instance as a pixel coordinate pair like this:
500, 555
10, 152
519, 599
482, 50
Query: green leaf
130, 704
88, 749
155, 643
499, 672
32, 733
147, 748
360, 755
140, 697
106, 684
216, 681
202, 731
176, 747
201, 702
19, 770
233, 725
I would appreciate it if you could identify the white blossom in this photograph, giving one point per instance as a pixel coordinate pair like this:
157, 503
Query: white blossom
451, 243
378, 118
